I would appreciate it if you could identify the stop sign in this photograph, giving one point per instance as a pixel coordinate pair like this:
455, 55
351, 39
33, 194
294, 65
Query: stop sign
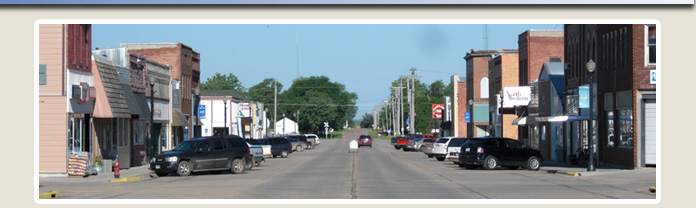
437, 110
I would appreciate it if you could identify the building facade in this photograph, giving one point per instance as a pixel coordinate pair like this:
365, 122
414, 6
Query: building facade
185, 67
624, 113
458, 109
66, 95
503, 72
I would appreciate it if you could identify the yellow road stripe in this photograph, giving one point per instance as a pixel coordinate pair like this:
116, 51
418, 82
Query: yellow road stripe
124, 179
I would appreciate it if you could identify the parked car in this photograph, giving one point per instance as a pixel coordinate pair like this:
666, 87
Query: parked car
413, 145
401, 141
313, 140
439, 149
280, 146
427, 146
260, 152
297, 144
365, 140
453, 149
393, 141
213, 153
492, 152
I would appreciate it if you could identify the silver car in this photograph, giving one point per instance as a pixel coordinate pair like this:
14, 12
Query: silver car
439, 150
454, 148
413, 145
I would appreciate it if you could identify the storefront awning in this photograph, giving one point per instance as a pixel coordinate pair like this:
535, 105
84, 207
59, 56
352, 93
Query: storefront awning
178, 118
525, 120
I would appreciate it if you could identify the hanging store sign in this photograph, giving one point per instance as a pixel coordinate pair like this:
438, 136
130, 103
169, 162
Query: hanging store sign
244, 110
584, 97
516, 96
437, 110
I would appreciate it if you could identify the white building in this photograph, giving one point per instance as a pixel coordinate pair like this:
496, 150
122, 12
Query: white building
286, 126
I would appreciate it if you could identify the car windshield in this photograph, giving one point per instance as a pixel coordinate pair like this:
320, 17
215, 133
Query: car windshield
185, 146
442, 141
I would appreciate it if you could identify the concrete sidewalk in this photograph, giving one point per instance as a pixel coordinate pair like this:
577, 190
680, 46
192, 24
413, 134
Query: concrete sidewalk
127, 175
576, 170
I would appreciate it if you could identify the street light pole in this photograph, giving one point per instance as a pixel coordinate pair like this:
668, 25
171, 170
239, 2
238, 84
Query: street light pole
590, 165
224, 101
152, 117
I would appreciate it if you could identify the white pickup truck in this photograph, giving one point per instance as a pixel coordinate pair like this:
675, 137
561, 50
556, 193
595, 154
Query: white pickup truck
313, 140
260, 152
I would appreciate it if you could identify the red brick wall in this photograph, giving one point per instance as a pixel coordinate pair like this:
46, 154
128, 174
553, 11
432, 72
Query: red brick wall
461, 105
79, 47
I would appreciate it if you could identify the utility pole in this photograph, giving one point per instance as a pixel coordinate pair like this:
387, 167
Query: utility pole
401, 107
412, 105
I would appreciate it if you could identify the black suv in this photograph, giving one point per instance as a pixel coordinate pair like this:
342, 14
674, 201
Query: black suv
491, 152
280, 146
213, 153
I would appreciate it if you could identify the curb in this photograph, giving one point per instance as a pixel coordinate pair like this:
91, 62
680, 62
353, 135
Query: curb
131, 179
563, 172
652, 189
48, 195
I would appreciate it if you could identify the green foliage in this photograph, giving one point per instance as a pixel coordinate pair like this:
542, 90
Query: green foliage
426, 95
367, 121
223, 82
318, 100
264, 91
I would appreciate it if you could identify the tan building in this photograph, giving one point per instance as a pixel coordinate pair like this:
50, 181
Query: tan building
65, 104
503, 72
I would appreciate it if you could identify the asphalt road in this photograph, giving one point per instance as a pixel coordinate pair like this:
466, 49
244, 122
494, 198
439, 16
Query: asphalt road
381, 172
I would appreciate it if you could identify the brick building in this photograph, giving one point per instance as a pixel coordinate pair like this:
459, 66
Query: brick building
459, 107
477, 92
185, 67
503, 71
625, 106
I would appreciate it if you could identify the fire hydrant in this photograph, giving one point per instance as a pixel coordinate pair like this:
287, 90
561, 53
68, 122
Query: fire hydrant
117, 172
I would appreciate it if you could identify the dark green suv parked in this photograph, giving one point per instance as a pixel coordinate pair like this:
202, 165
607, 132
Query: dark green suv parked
280, 146
213, 153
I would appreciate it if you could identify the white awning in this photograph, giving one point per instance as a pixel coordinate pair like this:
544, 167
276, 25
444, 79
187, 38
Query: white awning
525, 120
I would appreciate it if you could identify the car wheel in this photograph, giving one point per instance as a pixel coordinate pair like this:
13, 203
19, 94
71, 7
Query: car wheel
470, 167
421, 149
237, 166
430, 156
490, 163
309, 146
395, 147
405, 150
299, 148
513, 167
461, 165
249, 165
533, 163
184, 168
284, 153
440, 158
370, 146
161, 174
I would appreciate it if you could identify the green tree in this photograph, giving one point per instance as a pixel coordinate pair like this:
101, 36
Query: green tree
318, 100
223, 82
367, 121
264, 91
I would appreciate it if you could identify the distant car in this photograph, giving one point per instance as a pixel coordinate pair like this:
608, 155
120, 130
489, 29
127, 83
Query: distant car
313, 140
297, 144
439, 150
280, 146
427, 146
401, 141
492, 152
453, 149
365, 140
393, 141
213, 153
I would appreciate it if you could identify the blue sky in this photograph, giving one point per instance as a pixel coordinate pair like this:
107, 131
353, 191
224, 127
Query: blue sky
363, 57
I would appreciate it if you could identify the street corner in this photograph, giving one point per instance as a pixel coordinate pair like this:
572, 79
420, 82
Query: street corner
49, 195
652, 189
551, 171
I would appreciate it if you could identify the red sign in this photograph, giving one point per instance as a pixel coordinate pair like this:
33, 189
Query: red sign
437, 110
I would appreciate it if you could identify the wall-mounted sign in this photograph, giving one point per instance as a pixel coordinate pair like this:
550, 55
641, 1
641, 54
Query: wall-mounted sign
516, 96
467, 117
437, 110
201, 111
244, 110
653, 76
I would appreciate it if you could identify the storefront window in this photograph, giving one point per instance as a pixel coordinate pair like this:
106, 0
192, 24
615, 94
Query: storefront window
626, 127
610, 128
